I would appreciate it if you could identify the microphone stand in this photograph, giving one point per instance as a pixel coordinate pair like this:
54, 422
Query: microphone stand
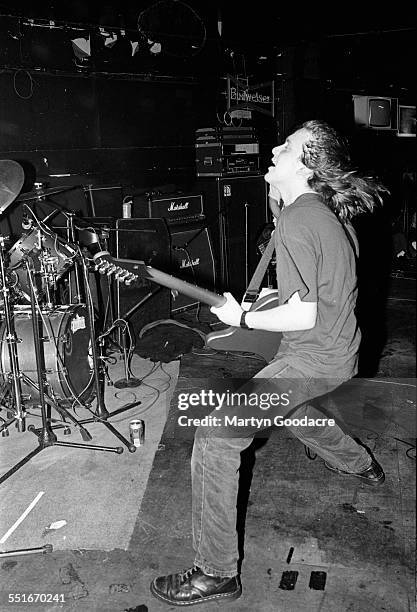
71, 238
129, 380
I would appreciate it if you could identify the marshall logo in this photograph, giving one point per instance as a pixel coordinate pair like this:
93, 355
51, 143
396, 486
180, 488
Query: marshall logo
189, 263
180, 206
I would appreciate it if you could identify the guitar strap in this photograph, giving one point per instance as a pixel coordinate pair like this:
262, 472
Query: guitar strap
252, 291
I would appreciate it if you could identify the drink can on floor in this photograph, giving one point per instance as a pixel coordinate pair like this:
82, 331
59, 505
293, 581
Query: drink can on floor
137, 432
127, 210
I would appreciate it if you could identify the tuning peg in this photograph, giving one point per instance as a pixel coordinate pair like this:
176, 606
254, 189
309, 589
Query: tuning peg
101, 266
122, 275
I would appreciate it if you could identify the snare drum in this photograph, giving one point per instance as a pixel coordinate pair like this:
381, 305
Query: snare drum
67, 347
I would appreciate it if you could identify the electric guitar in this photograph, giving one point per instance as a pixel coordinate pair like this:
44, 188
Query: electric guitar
131, 272
263, 343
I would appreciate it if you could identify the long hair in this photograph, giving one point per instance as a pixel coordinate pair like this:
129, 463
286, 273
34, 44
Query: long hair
343, 188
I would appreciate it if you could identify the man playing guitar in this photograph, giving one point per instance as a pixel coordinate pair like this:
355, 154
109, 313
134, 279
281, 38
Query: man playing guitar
316, 251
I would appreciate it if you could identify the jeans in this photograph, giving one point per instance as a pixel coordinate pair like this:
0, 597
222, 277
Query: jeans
216, 460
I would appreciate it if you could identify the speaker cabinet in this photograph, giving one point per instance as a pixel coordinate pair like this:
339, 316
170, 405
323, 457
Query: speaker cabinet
145, 240
236, 210
192, 260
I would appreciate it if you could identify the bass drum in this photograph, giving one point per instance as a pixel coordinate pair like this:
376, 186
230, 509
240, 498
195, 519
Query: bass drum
68, 362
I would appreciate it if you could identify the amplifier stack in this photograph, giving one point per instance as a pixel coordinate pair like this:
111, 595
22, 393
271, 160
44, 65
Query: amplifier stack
191, 253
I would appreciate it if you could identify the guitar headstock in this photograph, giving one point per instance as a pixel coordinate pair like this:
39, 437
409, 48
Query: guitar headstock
104, 263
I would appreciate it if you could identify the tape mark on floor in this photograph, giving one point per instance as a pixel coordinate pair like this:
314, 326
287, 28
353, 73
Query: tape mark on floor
21, 517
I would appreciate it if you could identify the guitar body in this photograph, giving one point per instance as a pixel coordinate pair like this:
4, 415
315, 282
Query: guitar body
262, 343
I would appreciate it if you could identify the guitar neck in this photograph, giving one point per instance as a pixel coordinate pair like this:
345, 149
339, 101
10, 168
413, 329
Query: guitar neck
188, 289
138, 269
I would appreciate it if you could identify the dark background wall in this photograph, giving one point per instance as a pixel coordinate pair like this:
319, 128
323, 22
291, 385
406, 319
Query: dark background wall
131, 120
111, 128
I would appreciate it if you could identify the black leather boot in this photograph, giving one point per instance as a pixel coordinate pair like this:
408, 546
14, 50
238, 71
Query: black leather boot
373, 475
193, 586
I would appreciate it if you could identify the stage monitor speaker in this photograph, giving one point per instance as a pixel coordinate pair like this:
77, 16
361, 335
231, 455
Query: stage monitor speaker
236, 210
145, 240
192, 260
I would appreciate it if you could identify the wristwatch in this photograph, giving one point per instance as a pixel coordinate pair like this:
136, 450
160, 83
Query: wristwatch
243, 320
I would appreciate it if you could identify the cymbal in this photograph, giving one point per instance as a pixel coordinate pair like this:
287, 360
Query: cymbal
11, 181
42, 194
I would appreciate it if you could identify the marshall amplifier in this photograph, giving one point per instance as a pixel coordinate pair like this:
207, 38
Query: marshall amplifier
176, 209
226, 151
192, 260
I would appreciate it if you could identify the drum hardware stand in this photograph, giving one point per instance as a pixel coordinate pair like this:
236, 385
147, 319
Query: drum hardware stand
109, 310
71, 238
11, 340
101, 413
104, 235
46, 548
46, 436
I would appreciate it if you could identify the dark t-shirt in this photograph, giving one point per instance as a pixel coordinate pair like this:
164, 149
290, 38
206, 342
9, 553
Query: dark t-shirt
316, 258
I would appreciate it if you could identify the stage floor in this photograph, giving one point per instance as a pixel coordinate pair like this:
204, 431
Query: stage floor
128, 516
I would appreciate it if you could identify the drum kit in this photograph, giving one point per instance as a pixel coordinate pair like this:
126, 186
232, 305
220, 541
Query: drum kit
49, 354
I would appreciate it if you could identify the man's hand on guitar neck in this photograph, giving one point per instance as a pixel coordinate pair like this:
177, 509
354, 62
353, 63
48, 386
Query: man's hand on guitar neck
230, 313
